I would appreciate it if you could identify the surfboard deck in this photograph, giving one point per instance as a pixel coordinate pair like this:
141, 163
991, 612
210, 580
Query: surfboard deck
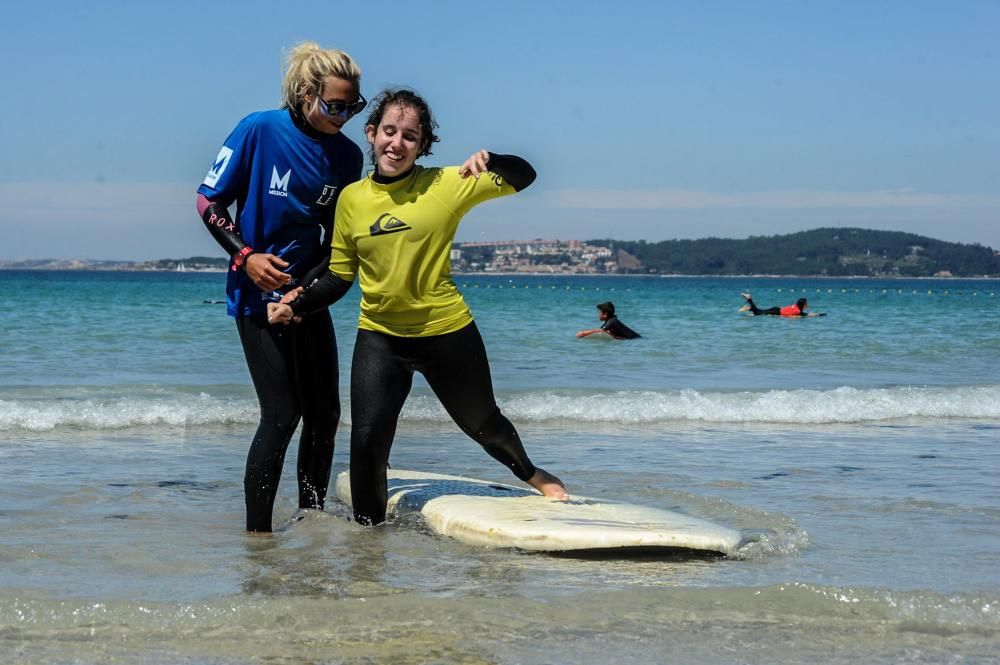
488, 514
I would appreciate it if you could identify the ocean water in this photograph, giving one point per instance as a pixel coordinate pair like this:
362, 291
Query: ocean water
857, 453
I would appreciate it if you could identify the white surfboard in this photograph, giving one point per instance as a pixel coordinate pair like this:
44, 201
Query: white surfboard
479, 512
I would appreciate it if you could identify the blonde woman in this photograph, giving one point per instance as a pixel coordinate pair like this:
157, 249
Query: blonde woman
284, 169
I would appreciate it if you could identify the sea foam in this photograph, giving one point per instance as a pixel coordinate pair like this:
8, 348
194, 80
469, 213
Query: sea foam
165, 408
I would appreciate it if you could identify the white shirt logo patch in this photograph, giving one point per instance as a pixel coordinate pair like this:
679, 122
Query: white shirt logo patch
279, 183
218, 167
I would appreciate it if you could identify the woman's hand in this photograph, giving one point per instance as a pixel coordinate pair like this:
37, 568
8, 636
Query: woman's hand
265, 270
474, 165
281, 311
291, 295
278, 312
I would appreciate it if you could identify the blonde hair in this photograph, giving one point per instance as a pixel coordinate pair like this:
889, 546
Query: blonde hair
307, 64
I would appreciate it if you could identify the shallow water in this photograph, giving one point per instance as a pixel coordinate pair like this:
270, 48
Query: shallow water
856, 453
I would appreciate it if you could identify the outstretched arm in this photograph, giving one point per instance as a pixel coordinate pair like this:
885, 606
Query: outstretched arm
515, 170
593, 331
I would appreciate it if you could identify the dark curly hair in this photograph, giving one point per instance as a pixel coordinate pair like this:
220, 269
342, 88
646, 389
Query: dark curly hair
408, 99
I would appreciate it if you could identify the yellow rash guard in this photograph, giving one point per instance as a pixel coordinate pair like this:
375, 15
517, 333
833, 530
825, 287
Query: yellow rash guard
397, 237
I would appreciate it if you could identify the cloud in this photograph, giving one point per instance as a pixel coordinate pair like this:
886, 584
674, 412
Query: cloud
668, 199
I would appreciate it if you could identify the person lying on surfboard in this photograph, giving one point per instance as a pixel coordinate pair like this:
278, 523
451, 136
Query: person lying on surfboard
610, 325
798, 309
393, 233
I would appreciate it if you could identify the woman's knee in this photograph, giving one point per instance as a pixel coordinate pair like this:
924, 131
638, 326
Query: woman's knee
322, 419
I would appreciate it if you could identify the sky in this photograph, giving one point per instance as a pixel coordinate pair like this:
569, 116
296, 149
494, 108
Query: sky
645, 120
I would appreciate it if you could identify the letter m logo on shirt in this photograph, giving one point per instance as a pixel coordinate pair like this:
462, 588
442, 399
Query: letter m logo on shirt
218, 167
279, 181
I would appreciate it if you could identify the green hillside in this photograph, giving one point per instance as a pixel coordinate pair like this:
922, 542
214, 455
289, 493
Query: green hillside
827, 251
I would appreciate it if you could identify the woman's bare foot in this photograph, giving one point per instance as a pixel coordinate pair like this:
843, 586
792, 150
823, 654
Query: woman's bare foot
548, 485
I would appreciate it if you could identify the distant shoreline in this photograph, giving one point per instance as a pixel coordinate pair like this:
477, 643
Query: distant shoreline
822, 253
528, 274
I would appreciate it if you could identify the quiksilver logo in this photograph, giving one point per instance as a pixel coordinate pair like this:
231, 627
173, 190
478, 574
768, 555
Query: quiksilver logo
279, 183
386, 223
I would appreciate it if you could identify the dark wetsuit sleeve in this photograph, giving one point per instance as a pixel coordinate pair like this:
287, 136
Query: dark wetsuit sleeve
619, 330
325, 291
220, 225
515, 170
316, 272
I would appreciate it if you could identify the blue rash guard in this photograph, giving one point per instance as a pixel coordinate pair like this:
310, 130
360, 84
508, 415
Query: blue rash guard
285, 185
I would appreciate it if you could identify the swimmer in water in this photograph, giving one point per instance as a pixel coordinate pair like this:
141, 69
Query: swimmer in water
610, 325
798, 309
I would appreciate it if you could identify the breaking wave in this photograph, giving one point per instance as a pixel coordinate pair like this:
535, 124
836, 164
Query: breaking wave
125, 407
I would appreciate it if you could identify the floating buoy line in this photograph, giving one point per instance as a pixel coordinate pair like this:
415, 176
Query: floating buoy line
792, 290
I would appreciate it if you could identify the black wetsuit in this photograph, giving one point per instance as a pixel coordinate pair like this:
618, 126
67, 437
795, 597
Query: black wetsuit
295, 373
454, 364
757, 311
619, 330
457, 370
287, 212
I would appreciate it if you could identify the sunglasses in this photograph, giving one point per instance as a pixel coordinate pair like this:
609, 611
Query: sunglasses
343, 109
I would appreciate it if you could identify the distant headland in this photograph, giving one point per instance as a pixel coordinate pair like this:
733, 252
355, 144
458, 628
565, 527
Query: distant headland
830, 252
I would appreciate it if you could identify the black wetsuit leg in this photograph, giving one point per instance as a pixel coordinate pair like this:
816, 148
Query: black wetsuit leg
380, 382
295, 373
459, 374
318, 373
456, 367
757, 311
